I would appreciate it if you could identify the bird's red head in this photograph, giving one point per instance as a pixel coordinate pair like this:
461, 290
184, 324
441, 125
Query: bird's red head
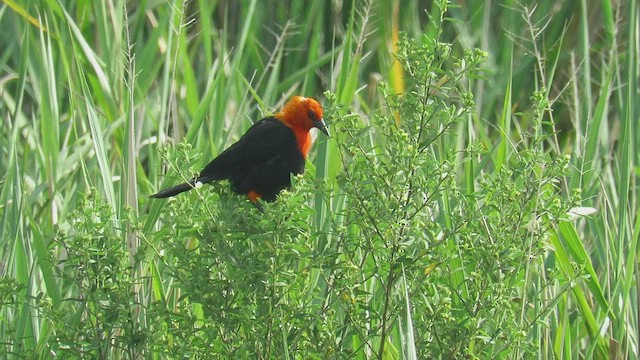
303, 113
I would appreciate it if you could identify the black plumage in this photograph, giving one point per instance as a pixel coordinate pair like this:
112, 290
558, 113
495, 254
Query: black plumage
261, 162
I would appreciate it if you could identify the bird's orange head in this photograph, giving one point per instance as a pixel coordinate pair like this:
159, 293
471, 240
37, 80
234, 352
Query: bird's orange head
302, 114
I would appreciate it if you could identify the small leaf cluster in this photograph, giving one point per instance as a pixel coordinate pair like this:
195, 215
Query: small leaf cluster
93, 264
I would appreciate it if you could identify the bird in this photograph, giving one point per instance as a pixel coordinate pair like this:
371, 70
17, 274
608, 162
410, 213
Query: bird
259, 165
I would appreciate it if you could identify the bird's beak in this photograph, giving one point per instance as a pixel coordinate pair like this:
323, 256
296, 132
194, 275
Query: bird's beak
321, 126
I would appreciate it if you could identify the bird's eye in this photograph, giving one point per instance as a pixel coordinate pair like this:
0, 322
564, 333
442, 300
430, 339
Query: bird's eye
312, 114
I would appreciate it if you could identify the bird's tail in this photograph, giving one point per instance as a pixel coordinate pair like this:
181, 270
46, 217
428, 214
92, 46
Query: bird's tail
175, 190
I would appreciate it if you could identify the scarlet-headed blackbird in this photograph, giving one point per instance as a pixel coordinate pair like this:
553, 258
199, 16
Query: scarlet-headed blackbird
260, 164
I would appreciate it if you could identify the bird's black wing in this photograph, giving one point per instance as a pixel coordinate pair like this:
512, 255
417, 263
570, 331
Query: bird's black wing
267, 139
262, 161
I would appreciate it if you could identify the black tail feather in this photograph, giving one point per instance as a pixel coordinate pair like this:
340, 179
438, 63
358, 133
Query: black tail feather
174, 190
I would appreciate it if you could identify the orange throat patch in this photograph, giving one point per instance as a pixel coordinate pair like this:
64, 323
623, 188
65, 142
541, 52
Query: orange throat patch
304, 140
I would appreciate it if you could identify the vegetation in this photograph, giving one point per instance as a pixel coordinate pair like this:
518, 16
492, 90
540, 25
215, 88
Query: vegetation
478, 197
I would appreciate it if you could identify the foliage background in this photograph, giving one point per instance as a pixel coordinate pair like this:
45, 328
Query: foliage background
91, 92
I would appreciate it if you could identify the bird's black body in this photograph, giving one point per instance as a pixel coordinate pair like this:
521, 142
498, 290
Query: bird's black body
261, 162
